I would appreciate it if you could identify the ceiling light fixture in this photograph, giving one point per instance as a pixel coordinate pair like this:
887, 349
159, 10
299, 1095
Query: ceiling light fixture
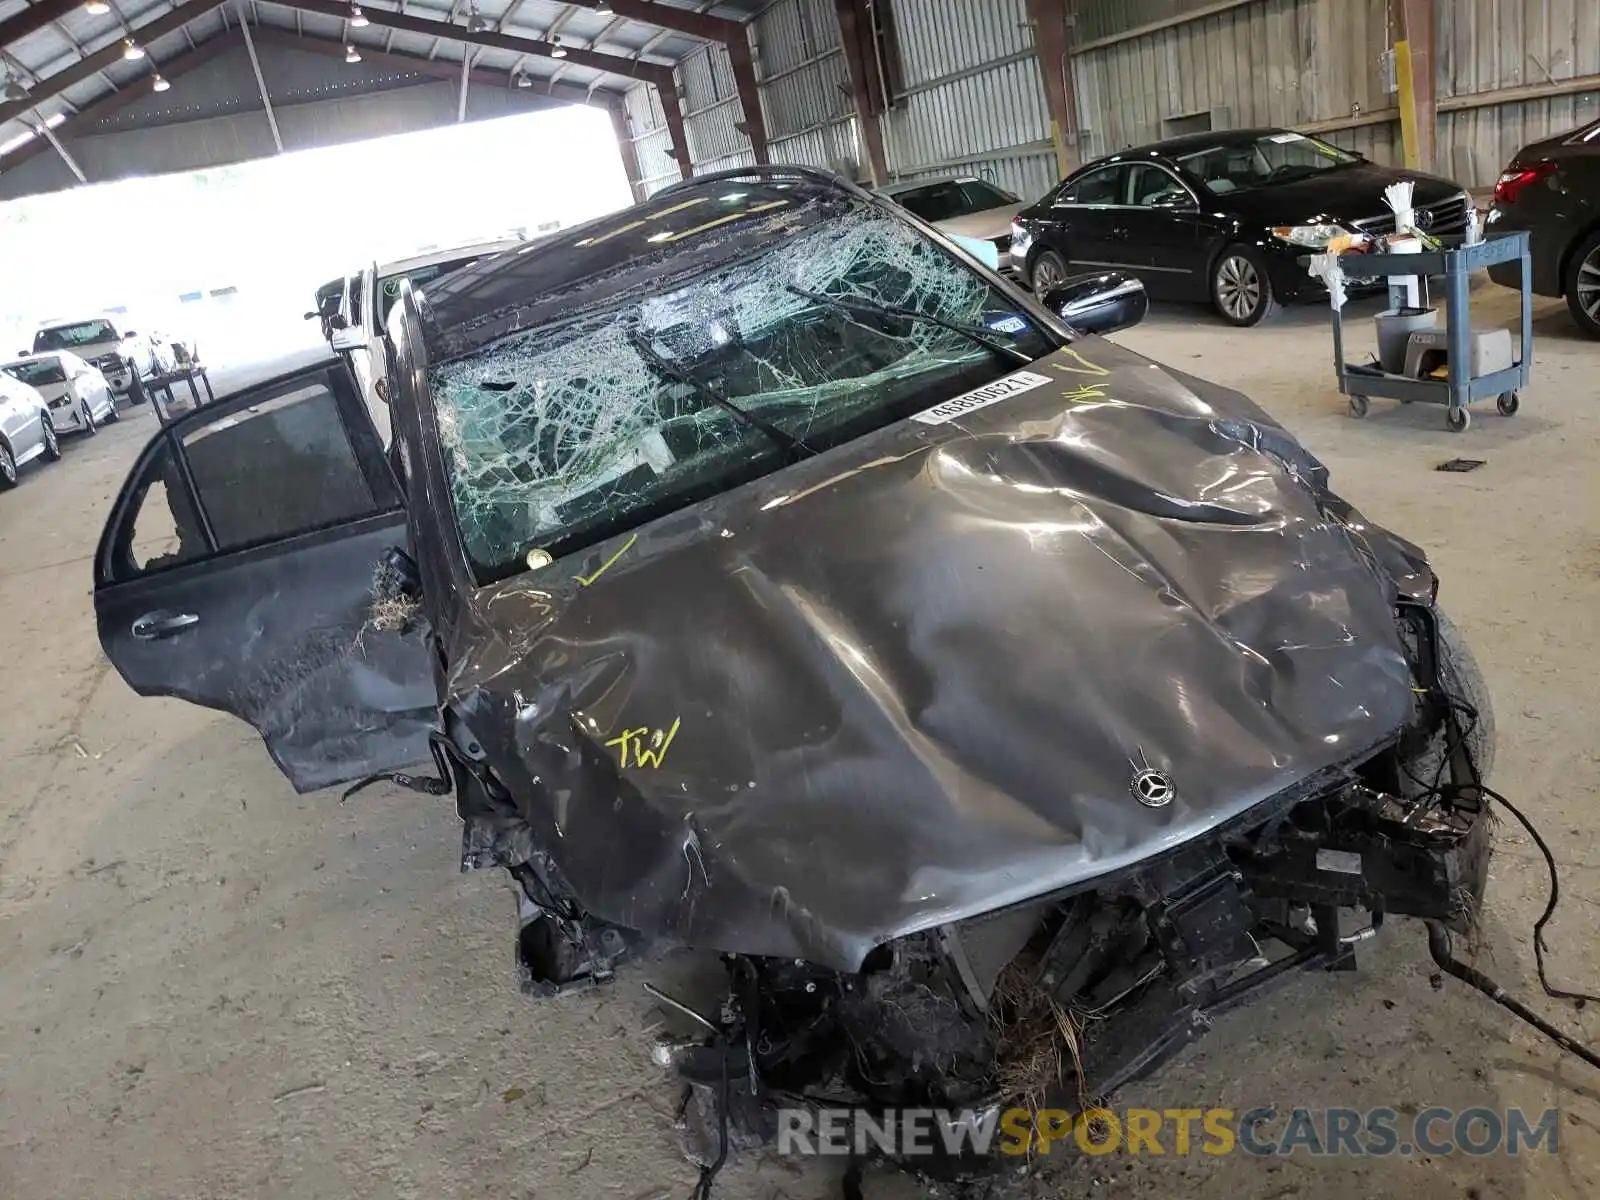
351, 54
557, 49
14, 90
97, 8
523, 81
159, 83
131, 50
358, 19
475, 21
602, 9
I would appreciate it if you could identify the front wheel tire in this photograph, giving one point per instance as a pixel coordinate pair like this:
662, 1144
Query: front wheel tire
52, 444
1583, 286
1049, 271
1241, 290
89, 425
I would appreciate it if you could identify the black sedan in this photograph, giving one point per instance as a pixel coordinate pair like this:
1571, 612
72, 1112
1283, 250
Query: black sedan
1552, 189
1219, 217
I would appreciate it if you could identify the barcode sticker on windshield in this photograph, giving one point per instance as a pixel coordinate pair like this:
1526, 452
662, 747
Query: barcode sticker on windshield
956, 406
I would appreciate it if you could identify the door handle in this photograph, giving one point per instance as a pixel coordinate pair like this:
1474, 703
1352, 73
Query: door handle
160, 624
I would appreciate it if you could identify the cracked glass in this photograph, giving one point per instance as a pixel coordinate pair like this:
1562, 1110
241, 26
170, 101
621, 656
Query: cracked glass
573, 429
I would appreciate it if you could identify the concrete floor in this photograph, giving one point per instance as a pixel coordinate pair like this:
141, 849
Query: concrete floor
210, 987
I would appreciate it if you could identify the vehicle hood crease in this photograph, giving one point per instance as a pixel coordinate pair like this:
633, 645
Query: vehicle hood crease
911, 680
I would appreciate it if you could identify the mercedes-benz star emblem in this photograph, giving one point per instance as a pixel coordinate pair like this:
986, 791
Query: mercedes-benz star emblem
1424, 218
1153, 789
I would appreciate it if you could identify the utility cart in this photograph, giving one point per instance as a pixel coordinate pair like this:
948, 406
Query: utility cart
1361, 381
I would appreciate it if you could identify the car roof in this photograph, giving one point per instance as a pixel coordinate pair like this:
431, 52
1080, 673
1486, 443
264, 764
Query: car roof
912, 185
1174, 146
63, 322
24, 359
704, 217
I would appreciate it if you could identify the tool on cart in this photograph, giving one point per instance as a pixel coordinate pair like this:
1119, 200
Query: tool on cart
1417, 361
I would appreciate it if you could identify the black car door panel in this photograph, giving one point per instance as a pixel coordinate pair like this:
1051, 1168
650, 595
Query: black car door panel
237, 572
1083, 219
1159, 233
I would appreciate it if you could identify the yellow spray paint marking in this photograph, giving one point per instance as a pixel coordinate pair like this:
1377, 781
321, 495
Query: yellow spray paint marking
644, 747
586, 580
1085, 367
1084, 393
738, 216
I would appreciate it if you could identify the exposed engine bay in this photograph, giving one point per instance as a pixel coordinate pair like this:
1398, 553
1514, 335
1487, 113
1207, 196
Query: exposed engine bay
1073, 995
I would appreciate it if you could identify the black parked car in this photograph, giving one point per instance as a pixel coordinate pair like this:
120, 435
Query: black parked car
767, 577
1222, 217
1552, 189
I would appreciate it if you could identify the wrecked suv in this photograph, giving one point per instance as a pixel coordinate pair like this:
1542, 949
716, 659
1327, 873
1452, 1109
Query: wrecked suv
762, 574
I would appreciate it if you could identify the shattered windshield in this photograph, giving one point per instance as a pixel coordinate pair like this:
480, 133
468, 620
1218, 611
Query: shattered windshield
698, 375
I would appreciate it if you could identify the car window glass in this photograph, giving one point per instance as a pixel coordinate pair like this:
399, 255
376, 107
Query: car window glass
165, 529
389, 285
938, 201
982, 196
278, 468
1152, 187
1097, 187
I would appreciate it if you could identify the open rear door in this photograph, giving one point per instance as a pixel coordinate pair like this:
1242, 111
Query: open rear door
239, 570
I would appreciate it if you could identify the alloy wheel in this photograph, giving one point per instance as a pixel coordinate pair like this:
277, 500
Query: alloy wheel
1238, 287
8, 465
1047, 275
1588, 285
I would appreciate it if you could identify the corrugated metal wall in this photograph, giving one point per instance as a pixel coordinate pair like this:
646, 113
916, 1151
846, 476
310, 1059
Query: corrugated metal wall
974, 98
1301, 63
1318, 65
1490, 45
805, 88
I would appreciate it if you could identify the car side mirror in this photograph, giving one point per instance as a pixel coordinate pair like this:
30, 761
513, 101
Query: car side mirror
311, 316
345, 338
128, 333
1102, 303
1174, 200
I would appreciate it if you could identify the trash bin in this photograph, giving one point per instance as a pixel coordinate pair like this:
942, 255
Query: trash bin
1395, 327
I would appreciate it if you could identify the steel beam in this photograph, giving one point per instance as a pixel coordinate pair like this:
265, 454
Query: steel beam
1418, 99
859, 62
731, 35
672, 109
466, 77
34, 18
49, 135
106, 105
261, 82
85, 68
406, 23
630, 156
481, 77
1052, 39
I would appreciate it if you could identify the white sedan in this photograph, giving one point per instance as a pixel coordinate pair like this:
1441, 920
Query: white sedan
77, 393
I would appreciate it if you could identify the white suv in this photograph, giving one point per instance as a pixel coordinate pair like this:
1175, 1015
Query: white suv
123, 355
357, 329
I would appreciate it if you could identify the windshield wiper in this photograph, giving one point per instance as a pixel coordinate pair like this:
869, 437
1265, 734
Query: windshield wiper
665, 367
971, 333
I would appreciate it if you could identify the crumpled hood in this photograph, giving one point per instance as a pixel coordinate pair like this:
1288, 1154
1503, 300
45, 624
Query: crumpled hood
912, 680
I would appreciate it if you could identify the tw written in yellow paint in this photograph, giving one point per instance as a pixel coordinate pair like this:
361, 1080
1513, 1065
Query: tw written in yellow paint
644, 747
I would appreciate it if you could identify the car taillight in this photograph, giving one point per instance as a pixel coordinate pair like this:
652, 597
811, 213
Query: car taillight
1018, 232
1510, 185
